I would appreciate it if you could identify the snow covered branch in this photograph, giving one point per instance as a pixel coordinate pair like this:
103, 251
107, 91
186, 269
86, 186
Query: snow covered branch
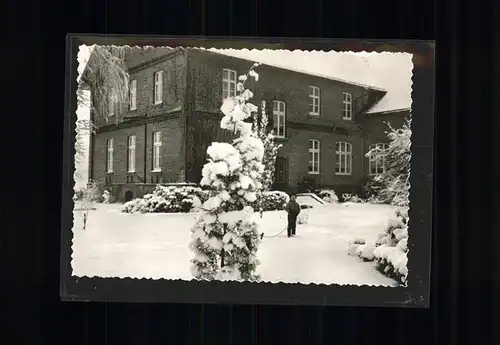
225, 239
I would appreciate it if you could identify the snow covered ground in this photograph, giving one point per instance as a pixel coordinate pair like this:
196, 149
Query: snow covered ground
156, 245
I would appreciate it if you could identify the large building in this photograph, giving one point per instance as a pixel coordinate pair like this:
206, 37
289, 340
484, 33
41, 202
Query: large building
325, 125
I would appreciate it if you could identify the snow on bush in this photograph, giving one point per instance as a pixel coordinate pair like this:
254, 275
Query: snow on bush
168, 199
328, 195
390, 250
347, 197
225, 238
393, 185
271, 201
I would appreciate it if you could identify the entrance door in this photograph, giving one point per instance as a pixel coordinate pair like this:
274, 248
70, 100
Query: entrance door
281, 174
129, 195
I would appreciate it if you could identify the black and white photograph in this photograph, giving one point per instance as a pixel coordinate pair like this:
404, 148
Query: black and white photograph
243, 165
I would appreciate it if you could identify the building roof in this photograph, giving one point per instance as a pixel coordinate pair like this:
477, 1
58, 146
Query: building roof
392, 78
374, 71
288, 68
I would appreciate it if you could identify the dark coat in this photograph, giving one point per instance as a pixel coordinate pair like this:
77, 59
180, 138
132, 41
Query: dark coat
292, 208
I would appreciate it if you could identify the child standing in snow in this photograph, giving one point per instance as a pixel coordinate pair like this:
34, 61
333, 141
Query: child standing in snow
293, 210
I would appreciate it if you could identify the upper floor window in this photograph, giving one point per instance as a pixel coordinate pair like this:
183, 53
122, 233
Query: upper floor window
279, 118
314, 151
228, 83
314, 95
113, 104
157, 151
133, 95
376, 165
343, 164
109, 156
347, 106
131, 153
158, 94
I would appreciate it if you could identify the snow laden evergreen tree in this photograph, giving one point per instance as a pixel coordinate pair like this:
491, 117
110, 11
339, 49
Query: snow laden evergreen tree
271, 148
393, 185
225, 238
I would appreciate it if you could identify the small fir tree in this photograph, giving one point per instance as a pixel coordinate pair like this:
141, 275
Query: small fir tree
271, 148
225, 238
261, 129
89, 196
393, 185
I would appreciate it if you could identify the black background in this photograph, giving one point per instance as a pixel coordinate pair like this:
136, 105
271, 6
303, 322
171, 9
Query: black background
464, 275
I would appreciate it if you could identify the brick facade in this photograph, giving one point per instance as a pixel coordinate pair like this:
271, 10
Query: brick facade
189, 115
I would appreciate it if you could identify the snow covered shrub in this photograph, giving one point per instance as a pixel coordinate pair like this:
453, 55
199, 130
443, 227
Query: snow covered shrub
353, 246
303, 217
393, 184
389, 250
167, 199
271, 201
225, 238
347, 197
327, 195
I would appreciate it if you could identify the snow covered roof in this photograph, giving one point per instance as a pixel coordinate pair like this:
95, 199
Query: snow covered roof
230, 52
390, 72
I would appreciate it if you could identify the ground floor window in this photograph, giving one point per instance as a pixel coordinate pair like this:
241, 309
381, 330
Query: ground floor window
314, 156
343, 155
376, 166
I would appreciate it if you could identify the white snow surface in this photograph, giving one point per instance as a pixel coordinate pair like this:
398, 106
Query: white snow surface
156, 246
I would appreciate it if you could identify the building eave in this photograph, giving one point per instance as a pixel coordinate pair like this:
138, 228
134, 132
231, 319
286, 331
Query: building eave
384, 112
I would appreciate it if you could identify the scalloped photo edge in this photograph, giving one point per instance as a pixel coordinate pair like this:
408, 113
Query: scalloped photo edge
160, 228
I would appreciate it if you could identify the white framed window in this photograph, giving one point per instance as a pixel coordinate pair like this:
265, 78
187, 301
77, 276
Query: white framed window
376, 166
158, 94
156, 151
343, 164
228, 83
279, 119
314, 95
133, 95
113, 104
109, 156
131, 153
347, 106
314, 151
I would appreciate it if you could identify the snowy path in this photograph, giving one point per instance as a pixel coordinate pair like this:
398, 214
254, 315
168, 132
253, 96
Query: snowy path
156, 245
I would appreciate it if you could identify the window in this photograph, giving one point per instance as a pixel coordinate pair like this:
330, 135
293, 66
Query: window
131, 153
314, 156
343, 151
315, 99
280, 170
347, 106
156, 151
279, 111
109, 159
377, 165
228, 83
113, 104
133, 95
158, 87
